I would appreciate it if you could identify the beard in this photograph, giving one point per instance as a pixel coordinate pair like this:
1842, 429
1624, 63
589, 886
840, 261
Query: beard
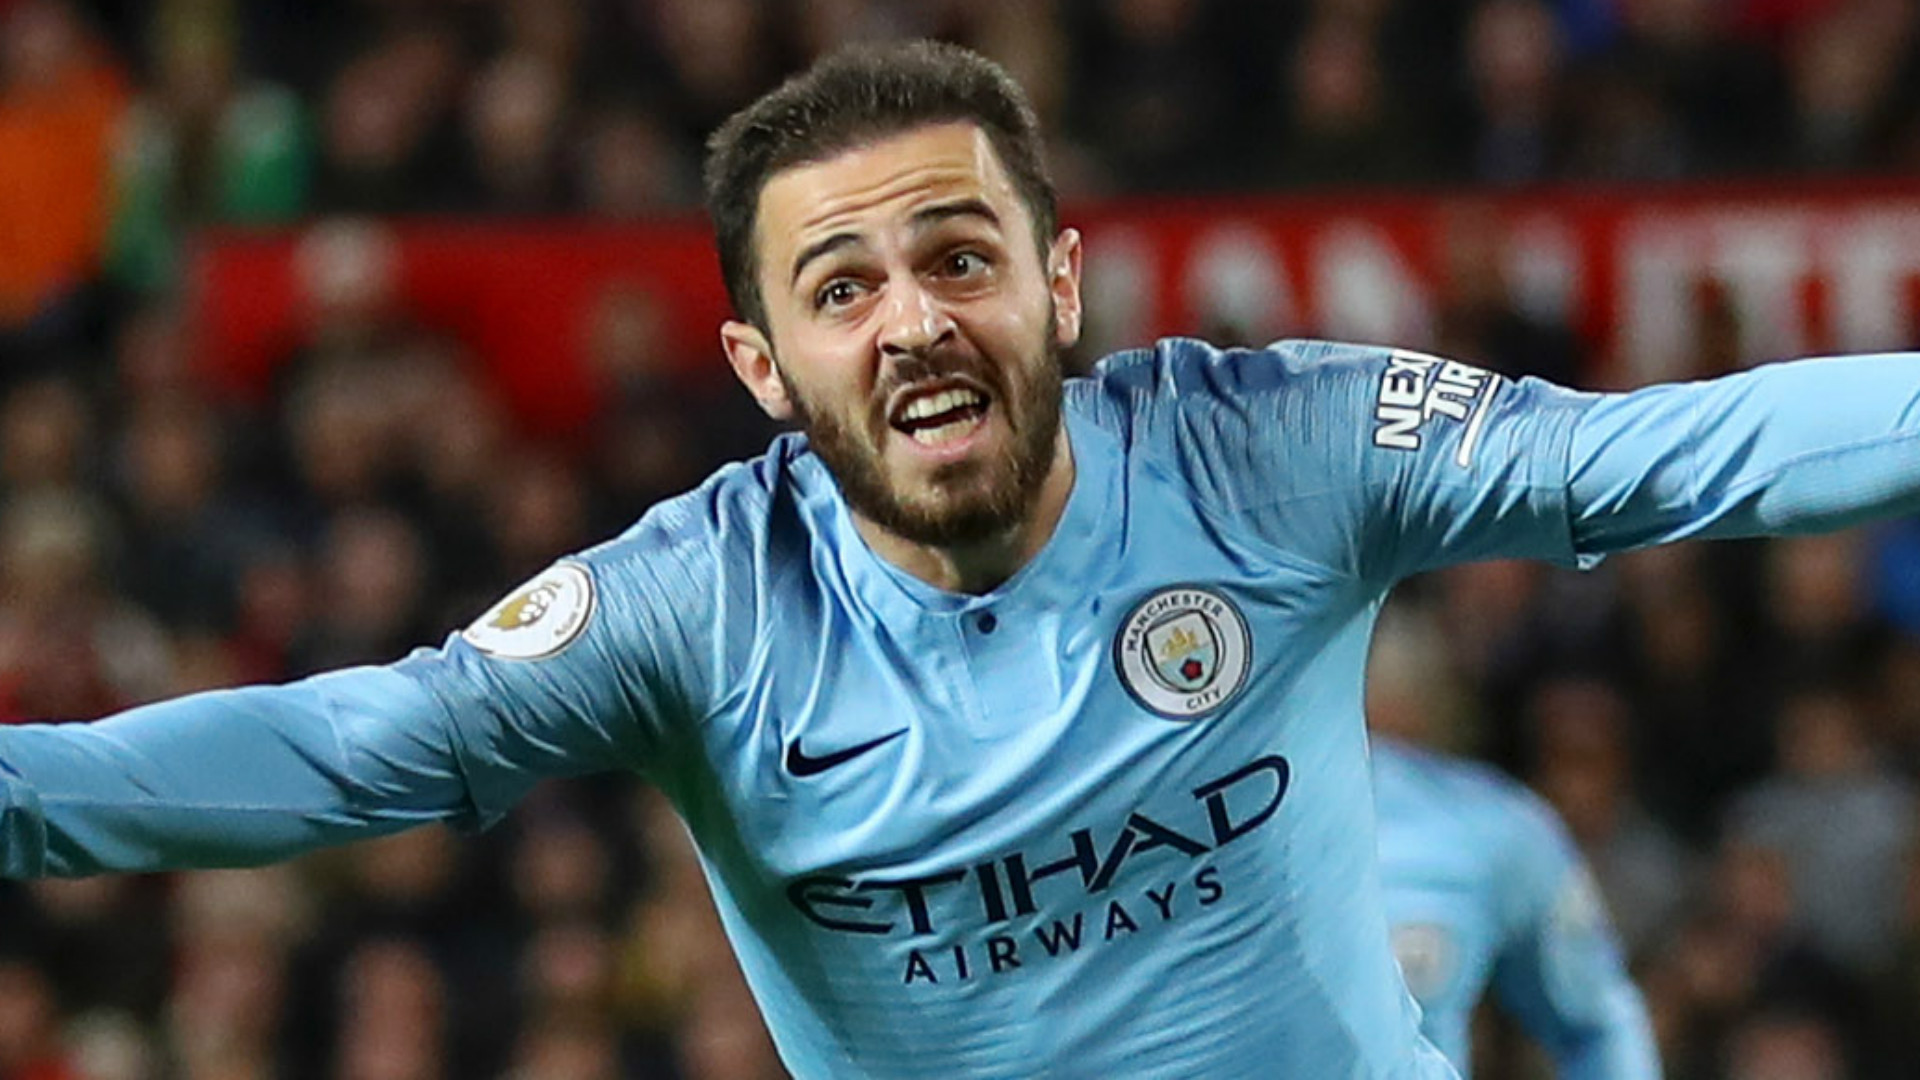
964, 502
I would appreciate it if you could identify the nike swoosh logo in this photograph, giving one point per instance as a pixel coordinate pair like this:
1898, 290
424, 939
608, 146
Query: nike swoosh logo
799, 763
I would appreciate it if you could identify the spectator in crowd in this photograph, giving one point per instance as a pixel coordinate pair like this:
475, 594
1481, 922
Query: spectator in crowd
30, 1044
387, 131
1841, 820
1818, 618
1516, 70
70, 646
233, 937
202, 146
1699, 717
48, 434
715, 55
628, 167
1725, 96
517, 119
1844, 71
1150, 93
184, 540
394, 1015
658, 420
1741, 954
1342, 122
114, 953
1786, 1046
679, 981
375, 578
567, 1048
61, 100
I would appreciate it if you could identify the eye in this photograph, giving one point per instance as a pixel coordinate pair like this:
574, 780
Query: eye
960, 264
837, 293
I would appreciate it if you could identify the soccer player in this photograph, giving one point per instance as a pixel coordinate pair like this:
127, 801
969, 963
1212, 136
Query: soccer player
1018, 722
1484, 888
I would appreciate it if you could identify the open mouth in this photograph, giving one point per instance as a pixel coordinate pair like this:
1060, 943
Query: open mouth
939, 415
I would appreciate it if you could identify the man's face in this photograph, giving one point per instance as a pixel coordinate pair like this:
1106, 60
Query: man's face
914, 330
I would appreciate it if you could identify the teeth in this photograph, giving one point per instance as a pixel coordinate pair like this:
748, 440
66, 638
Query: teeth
939, 436
935, 404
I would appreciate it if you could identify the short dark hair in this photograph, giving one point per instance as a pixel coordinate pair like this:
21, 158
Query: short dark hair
855, 96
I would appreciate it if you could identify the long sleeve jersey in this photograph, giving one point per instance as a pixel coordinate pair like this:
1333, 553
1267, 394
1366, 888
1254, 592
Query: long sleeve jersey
1112, 818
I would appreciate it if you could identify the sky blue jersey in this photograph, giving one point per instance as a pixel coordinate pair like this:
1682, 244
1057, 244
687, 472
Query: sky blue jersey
1484, 888
1111, 819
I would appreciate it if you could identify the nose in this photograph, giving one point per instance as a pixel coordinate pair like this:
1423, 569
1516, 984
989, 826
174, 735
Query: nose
914, 320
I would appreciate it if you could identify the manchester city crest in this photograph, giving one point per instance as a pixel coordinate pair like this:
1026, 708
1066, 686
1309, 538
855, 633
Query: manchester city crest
1183, 652
1427, 957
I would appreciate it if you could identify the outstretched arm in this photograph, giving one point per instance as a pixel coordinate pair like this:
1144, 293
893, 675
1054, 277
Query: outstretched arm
1524, 469
230, 778
1784, 448
243, 777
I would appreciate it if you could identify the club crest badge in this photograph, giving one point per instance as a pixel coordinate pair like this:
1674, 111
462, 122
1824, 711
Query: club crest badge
1183, 652
539, 618
1426, 954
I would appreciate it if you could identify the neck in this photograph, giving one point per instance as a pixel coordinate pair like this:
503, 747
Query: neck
984, 565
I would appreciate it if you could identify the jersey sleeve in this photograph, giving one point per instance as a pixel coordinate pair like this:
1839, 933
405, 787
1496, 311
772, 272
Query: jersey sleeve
1457, 464
1371, 463
1425, 462
563, 676
1805, 446
1559, 971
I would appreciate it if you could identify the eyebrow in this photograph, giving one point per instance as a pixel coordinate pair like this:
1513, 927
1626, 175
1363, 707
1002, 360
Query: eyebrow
934, 215
922, 219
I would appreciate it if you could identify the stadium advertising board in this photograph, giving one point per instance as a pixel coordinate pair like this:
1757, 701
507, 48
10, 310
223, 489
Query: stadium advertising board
1641, 275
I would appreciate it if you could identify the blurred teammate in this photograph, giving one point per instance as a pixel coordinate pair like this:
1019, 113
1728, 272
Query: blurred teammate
1018, 723
1484, 888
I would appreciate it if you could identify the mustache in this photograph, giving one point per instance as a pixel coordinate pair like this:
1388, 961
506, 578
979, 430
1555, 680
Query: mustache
927, 366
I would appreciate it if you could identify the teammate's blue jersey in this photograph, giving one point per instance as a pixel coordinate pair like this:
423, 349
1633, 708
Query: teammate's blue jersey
1483, 887
1112, 819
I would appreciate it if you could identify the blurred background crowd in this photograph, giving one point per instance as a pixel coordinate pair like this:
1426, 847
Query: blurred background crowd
1732, 732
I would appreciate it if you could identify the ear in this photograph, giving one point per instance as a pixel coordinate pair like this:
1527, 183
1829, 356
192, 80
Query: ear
1063, 282
751, 356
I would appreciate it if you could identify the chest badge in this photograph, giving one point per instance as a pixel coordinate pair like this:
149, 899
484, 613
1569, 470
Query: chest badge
1425, 952
1183, 651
